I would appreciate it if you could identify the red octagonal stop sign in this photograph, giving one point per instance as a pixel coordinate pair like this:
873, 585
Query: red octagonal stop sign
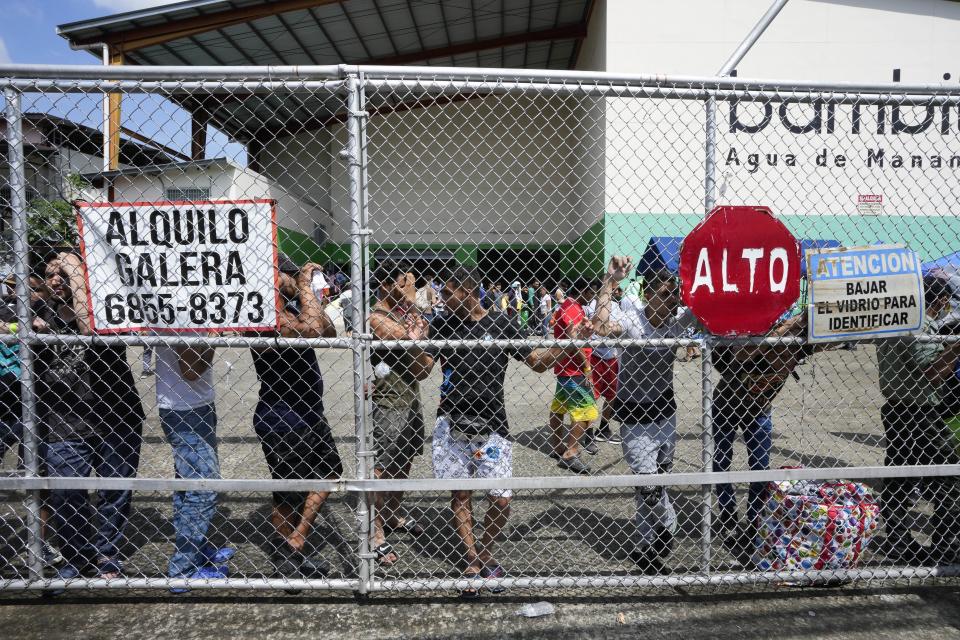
739, 270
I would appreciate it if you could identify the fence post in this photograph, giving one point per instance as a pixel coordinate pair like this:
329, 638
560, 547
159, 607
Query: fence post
18, 205
356, 126
706, 401
710, 156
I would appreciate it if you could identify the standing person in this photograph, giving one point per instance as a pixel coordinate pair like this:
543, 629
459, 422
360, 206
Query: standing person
92, 421
515, 302
472, 438
146, 368
346, 310
188, 417
912, 374
533, 307
397, 415
426, 299
532, 302
499, 298
11, 409
485, 290
645, 403
290, 423
751, 377
605, 362
546, 310
573, 394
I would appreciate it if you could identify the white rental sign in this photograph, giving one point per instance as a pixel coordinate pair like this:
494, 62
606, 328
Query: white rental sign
180, 266
862, 292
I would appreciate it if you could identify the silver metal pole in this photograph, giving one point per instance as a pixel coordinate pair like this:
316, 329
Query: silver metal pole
706, 420
175, 73
105, 104
352, 153
367, 457
710, 159
752, 37
18, 205
418, 584
710, 177
365, 203
709, 201
528, 483
89, 78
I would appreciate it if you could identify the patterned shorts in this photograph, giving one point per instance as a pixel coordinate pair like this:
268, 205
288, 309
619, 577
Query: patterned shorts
458, 456
573, 396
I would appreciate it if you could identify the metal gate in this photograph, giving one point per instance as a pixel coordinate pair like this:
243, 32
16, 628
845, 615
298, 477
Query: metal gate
439, 168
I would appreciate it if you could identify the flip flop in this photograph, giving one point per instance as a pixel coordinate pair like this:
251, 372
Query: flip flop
410, 525
383, 551
470, 593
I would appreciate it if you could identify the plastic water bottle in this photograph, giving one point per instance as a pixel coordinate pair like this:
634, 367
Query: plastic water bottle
536, 610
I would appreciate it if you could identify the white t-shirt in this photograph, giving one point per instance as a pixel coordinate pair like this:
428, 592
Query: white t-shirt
545, 305
646, 373
173, 390
604, 353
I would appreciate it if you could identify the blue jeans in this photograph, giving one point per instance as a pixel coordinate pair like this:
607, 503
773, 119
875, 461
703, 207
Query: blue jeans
193, 436
114, 455
757, 437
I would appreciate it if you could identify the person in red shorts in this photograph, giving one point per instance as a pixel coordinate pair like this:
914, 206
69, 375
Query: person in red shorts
605, 362
574, 394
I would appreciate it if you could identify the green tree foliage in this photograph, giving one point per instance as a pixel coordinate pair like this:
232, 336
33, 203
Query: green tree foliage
54, 220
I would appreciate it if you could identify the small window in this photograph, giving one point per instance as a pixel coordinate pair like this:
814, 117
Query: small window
189, 194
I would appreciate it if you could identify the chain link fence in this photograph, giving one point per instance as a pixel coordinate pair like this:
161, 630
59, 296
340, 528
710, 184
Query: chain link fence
363, 334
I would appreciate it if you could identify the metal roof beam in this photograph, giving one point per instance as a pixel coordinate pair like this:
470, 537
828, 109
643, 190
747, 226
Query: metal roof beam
296, 38
139, 38
321, 122
139, 137
386, 29
574, 31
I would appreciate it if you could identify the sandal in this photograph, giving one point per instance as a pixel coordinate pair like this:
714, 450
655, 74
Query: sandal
383, 551
109, 568
410, 525
470, 593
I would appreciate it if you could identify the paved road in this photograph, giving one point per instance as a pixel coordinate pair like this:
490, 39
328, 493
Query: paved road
905, 614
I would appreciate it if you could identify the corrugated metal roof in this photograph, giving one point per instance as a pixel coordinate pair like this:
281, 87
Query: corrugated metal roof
157, 169
335, 32
61, 132
540, 34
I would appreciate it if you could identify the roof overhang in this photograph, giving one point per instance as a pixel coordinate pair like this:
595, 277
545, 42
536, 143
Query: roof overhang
540, 34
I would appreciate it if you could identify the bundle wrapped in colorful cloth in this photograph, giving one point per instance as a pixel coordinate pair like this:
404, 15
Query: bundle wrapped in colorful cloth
809, 524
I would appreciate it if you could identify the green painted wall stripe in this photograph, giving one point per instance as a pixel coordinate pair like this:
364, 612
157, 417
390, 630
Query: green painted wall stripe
930, 236
629, 233
301, 248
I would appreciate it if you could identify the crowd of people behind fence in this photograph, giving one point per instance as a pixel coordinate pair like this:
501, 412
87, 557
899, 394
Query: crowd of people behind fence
90, 417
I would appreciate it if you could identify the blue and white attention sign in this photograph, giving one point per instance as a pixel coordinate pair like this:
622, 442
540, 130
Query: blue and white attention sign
862, 292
